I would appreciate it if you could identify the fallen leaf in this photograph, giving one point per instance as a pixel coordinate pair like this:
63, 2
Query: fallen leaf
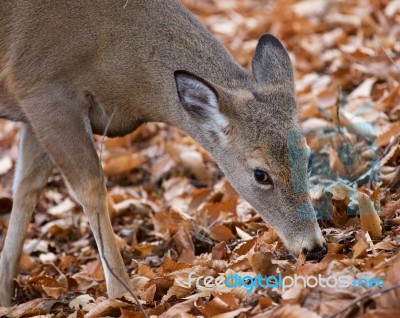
360, 248
221, 233
369, 218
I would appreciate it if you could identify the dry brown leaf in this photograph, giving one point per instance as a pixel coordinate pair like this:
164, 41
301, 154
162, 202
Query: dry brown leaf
102, 308
161, 167
180, 310
390, 209
295, 295
328, 301
385, 245
144, 249
265, 302
145, 271
221, 303
369, 218
390, 132
131, 206
340, 48
293, 311
221, 233
34, 307
387, 313
122, 164
49, 285
178, 292
80, 301
260, 260
220, 252
184, 245
242, 249
26, 262
242, 234
233, 313
365, 88
193, 162
148, 292
170, 265
360, 248
95, 270
168, 223
220, 210
391, 300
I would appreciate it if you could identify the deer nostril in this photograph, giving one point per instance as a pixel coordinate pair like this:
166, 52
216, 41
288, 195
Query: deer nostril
316, 253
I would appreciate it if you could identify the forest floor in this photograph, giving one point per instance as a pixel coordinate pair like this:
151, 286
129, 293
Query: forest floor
174, 213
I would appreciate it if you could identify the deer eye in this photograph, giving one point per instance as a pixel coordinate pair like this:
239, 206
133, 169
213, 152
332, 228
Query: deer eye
262, 177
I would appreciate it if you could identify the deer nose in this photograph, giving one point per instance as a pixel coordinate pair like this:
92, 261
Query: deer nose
315, 253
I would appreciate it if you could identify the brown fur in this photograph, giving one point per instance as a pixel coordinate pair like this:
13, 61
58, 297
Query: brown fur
66, 67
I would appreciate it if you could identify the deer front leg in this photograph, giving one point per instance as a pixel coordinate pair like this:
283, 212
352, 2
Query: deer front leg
64, 131
32, 172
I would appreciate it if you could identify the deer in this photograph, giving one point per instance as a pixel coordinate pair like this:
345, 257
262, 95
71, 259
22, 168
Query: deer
71, 69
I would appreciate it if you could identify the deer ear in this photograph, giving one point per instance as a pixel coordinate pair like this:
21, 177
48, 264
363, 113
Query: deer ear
200, 100
271, 63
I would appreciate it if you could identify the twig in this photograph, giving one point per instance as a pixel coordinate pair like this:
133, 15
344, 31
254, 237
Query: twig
362, 297
99, 224
203, 238
387, 54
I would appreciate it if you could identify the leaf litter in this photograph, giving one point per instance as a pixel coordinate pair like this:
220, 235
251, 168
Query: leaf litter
175, 215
